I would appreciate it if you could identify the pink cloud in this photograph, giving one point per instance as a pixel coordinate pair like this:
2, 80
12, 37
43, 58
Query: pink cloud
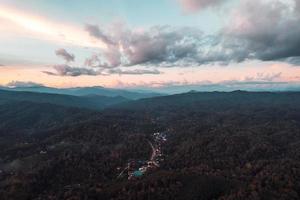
196, 5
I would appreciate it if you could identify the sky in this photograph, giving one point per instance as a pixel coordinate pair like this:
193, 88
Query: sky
150, 44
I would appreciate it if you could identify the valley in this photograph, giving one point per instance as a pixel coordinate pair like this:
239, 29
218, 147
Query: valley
237, 145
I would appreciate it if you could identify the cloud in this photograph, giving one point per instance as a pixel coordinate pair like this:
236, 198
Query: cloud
95, 31
66, 70
159, 45
23, 84
133, 72
264, 77
264, 30
68, 57
149, 85
92, 61
196, 5
297, 6
257, 30
110, 58
293, 60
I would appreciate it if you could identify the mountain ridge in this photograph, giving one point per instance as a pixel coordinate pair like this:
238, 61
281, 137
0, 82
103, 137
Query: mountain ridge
94, 102
83, 91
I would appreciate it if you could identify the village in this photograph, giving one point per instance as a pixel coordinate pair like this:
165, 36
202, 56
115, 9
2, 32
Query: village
136, 169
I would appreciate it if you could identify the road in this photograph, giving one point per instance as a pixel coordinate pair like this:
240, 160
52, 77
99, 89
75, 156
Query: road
153, 154
154, 157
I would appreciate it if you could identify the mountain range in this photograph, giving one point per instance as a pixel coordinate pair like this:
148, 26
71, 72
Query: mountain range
95, 102
84, 91
219, 145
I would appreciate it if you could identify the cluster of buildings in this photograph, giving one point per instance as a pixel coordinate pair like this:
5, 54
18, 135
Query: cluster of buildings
137, 168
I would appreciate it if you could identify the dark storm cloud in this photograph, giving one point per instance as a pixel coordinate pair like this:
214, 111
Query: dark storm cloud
68, 57
293, 60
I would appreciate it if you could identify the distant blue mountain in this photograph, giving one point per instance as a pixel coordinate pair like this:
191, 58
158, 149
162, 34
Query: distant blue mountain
84, 91
94, 102
254, 86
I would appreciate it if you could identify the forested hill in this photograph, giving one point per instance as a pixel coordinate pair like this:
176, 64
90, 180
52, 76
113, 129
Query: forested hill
24, 117
227, 146
214, 100
83, 91
94, 102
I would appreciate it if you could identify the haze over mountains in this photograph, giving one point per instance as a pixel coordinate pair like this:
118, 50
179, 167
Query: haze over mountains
146, 92
84, 91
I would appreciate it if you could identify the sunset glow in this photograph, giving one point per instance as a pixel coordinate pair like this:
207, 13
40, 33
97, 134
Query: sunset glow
47, 30
109, 47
